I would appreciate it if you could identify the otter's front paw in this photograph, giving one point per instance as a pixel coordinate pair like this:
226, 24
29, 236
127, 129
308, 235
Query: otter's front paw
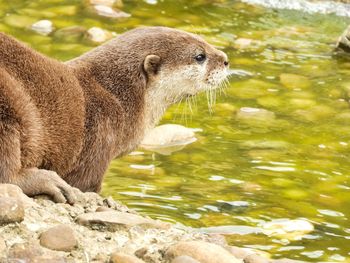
38, 181
344, 41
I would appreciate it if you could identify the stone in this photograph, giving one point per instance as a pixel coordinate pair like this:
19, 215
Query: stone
98, 35
294, 81
289, 229
3, 247
239, 253
43, 27
184, 259
344, 41
118, 3
108, 11
59, 238
201, 251
254, 258
286, 260
11, 190
255, 115
168, 138
113, 221
24, 251
124, 258
71, 33
11, 210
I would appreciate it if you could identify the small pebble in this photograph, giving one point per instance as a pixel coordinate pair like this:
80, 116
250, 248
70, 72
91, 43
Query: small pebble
108, 11
59, 238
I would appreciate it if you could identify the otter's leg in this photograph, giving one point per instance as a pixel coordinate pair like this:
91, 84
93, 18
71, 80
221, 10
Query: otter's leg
32, 181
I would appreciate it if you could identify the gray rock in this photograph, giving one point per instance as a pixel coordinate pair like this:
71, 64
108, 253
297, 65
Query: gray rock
344, 41
124, 258
113, 221
201, 251
254, 258
11, 210
59, 238
184, 259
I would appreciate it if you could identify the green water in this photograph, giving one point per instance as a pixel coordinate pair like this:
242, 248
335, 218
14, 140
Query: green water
293, 162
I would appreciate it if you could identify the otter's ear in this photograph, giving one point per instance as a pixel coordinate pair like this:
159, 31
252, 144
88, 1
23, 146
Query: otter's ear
151, 64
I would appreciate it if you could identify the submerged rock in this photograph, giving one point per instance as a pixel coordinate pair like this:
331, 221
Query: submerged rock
43, 27
294, 81
98, 35
289, 229
108, 11
344, 41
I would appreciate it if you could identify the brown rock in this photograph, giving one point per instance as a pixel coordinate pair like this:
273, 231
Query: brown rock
184, 259
103, 209
124, 258
24, 251
254, 258
202, 251
238, 252
11, 210
11, 190
3, 248
113, 221
59, 238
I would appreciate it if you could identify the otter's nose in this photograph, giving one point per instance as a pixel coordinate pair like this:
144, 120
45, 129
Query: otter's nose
226, 63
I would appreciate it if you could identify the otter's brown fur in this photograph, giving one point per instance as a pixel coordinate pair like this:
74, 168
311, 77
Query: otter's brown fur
72, 118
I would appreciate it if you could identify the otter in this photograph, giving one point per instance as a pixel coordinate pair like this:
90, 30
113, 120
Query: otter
62, 123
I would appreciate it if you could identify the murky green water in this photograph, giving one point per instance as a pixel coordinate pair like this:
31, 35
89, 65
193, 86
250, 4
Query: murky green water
291, 162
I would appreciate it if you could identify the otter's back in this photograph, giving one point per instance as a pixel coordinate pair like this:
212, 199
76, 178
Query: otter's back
56, 93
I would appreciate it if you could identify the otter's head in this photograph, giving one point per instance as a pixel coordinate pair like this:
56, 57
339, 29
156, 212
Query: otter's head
176, 63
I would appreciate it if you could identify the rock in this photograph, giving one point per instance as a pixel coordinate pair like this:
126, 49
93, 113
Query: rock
3, 247
24, 251
11, 190
168, 138
59, 238
202, 251
113, 221
184, 259
98, 35
11, 210
18, 21
43, 27
254, 258
72, 33
344, 41
289, 229
118, 3
108, 11
294, 81
124, 258
255, 115
240, 253
286, 260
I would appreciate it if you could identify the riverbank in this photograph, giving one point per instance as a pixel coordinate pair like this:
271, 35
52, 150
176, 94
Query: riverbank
98, 229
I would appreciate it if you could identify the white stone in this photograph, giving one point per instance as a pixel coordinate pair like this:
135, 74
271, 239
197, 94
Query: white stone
168, 138
43, 27
98, 35
289, 229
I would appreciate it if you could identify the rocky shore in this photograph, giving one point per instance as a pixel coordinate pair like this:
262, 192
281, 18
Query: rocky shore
98, 229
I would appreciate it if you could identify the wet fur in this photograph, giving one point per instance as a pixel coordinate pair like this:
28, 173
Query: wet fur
73, 118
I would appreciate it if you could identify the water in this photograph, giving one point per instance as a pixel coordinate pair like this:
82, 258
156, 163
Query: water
248, 166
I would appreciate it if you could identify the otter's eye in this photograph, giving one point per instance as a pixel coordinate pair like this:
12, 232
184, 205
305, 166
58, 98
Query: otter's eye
200, 58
